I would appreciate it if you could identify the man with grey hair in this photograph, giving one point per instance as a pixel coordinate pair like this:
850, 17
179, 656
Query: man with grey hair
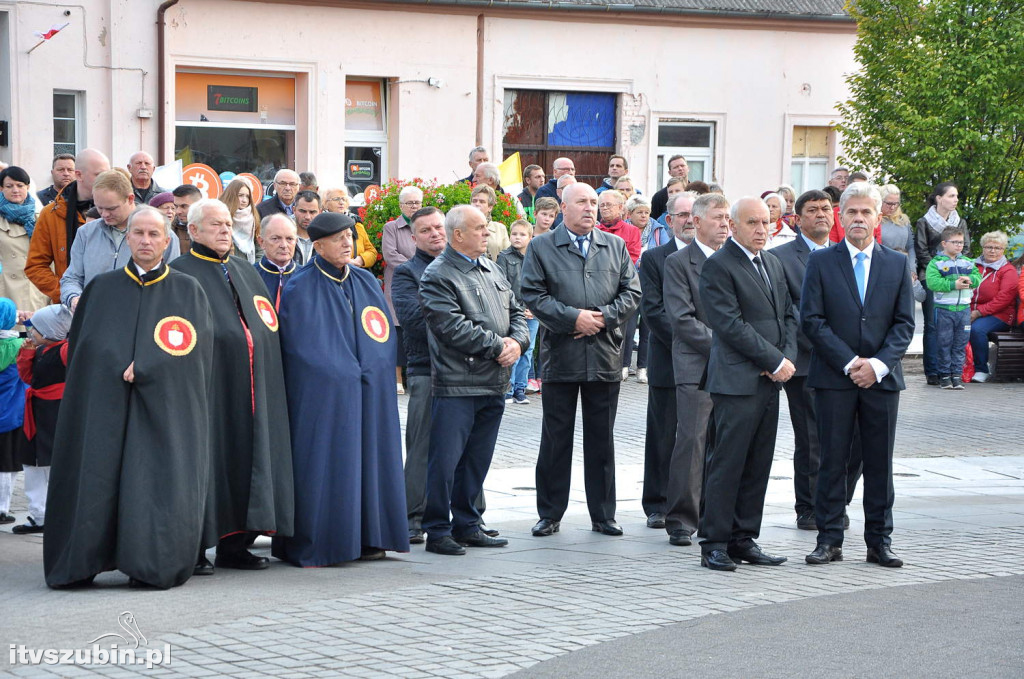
278, 238
286, 186
397, 247
477, 155
487, 173
580, 283
661, 390
858, 313
560, 168
477, 331
839, 178
141, 166
691, 347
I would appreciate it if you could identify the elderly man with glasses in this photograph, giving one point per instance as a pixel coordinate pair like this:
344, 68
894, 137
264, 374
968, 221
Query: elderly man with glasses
286, 186
397, 247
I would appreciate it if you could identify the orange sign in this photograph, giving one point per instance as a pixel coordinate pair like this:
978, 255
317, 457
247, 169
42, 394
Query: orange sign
363, 110
266, 311
371, 193
375, 324
204, 178
255, 185
175, 335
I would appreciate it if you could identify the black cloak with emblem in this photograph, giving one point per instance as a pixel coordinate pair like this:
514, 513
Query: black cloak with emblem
250, 469
125, 490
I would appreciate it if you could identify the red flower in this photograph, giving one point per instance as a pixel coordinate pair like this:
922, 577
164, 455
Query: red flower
506, 213
362, 213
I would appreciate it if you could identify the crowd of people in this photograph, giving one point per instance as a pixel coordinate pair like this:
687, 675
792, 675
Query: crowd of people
179, 374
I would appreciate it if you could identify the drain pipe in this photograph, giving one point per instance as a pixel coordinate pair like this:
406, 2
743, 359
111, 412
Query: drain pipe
161, 79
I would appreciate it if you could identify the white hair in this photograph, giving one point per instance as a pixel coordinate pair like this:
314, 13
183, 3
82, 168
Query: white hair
153, 212
455, 220
859, 189
410, 191
489, 171
670, 206
195, 212
734, 211
637, 201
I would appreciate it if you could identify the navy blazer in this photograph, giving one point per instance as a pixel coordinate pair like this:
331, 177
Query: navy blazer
840, 327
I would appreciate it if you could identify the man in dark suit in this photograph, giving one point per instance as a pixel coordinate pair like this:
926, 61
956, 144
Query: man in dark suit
753, 346
661, 387
857, 310
691, 346
814, 219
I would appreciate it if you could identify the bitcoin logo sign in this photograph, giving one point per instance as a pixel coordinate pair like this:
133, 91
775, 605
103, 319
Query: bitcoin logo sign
204, 178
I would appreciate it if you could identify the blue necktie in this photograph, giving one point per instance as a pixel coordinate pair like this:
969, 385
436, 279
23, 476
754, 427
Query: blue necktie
581, 243
858, 273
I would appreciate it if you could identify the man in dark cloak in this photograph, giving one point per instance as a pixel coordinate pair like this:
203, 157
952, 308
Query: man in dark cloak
250, 458
124, 493
339, 357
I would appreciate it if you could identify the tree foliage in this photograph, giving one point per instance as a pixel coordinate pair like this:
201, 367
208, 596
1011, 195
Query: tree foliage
940, 97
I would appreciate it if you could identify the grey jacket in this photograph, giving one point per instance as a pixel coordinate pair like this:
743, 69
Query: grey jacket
94, 252
691, 336
558, 282
469, 308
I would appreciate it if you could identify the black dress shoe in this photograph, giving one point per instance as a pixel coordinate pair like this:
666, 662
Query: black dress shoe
243, 561
415, 536
680, 538
203, 567
139, 584
372, 554
545, 527
489, 531
823, 554
656, 520
26, 528
446, 546
753, 554
717, 560
806, 521
479, 539
883, 556
608, 527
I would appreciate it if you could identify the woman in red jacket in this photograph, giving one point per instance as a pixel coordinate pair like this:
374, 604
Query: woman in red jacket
995, 300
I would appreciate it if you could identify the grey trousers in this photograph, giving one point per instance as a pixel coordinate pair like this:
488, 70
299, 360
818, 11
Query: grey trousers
686, 468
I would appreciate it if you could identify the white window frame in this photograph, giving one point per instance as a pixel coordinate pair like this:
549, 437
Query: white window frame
713, 156
79, 119
791, 120
371, 137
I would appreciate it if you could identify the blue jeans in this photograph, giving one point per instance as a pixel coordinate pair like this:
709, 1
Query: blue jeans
521, 368
952, 329
979, 339
930, 355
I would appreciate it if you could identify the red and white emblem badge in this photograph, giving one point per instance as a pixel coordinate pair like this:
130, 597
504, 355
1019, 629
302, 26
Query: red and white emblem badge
375, 324
175, 335
266, 311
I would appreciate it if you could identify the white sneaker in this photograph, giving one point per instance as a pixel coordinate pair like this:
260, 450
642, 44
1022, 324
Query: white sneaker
641, 375
625, 374
980, 377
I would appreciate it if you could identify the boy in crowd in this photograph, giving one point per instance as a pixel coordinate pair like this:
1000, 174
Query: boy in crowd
952, 277
545, 215
510, 261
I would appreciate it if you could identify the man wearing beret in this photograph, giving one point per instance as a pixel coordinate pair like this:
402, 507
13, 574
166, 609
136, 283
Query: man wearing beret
477, 331
339, 356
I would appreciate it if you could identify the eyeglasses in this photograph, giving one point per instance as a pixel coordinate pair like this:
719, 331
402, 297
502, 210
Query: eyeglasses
411, 203
293, 185
684, 215
992, 247
891, 203
336, 199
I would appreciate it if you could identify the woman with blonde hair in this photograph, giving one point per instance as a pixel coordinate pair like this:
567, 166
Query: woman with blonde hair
336, 199
896, 231
245, 220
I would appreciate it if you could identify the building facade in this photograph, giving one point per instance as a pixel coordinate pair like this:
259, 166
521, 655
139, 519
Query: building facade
364, 91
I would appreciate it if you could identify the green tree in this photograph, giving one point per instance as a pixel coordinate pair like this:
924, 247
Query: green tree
940, 97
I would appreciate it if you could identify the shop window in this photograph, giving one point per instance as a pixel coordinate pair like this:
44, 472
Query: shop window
543, 126
809, 169
366, 134
235, 122
694, 140
67, 121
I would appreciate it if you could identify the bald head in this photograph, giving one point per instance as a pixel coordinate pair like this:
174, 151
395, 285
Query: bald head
563, 166
89, 164
579, 208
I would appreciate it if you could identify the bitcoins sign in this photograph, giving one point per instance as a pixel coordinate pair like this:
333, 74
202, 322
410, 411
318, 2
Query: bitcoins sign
204, 178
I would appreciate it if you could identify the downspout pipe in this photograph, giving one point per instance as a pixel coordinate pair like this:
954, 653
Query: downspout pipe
161, 79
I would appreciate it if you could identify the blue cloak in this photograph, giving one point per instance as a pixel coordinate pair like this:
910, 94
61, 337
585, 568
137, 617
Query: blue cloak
338, 345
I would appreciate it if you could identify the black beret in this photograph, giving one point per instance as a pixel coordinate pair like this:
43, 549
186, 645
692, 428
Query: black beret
328, 224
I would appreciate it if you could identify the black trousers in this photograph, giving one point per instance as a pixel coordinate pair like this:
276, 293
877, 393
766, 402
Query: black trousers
686, 467
554, 462
661, 436
738, 466
873, 413
463, 431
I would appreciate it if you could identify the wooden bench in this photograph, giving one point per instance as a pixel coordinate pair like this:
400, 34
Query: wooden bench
1008, 358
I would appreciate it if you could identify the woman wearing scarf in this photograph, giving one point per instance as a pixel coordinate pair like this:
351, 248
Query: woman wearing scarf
18, 210
927, 242
994, 301
896, 231
13, 444
245, 220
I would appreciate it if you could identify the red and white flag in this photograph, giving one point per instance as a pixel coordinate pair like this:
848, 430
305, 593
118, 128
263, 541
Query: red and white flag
54, 30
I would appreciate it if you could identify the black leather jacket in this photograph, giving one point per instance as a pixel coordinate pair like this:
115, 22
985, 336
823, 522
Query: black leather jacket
558, 283
469, 308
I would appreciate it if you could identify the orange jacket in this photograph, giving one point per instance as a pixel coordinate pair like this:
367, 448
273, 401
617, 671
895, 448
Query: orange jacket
48, 251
